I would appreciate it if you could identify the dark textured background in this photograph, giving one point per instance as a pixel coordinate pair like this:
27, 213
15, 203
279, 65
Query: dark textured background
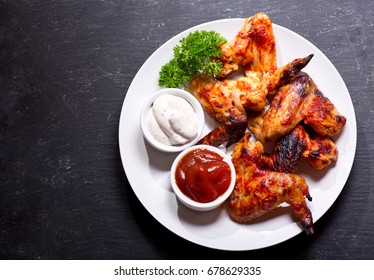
65, 67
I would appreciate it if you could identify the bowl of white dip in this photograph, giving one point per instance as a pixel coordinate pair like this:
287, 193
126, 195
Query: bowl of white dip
172, 120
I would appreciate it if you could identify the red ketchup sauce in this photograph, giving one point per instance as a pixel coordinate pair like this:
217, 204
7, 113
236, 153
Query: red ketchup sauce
202, 175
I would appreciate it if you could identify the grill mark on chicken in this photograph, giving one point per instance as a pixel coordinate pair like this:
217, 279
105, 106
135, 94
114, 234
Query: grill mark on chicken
319, 151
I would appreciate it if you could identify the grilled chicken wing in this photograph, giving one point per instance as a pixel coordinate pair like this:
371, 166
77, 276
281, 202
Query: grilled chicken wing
221, 101
300, 100
253, 48
258, 191
227, 101
319, 151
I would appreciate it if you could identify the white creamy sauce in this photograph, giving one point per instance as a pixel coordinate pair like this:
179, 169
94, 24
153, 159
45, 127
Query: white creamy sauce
172, 120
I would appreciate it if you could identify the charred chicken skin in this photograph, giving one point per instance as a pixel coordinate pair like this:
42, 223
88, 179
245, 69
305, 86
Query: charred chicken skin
319, 151
299, 100
258, 191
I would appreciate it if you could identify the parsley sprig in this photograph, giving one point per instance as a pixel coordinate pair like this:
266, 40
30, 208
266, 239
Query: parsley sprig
195, 54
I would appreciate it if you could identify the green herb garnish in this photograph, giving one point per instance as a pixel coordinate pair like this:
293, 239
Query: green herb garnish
195, 54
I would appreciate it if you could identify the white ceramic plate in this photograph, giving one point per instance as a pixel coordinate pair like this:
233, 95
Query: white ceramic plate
148, 169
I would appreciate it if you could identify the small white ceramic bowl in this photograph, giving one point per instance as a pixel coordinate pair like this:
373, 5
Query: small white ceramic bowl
192, 203
176, 92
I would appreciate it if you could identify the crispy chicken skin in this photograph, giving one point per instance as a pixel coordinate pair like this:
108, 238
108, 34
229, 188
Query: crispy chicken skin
258, 190
227, 101
253, 48
319, 151
285, 74
300, 100
221, 101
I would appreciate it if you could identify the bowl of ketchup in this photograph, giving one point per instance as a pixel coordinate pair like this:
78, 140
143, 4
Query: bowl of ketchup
202, 177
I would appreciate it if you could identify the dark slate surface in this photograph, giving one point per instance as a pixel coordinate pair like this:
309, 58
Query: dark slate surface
65, 67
